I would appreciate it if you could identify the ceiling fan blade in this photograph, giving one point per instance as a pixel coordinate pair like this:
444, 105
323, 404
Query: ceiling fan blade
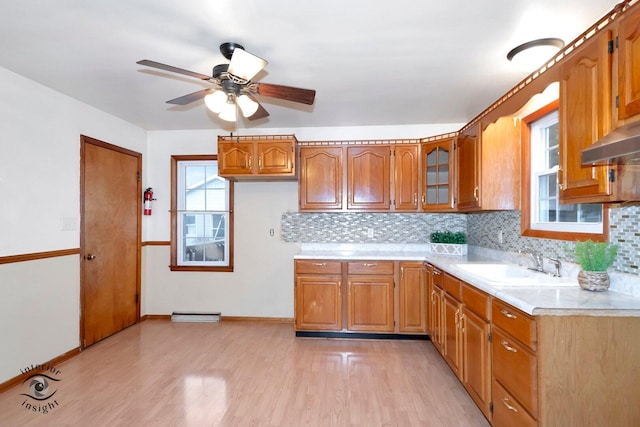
173, 69
288, 93
260, 113
188, 99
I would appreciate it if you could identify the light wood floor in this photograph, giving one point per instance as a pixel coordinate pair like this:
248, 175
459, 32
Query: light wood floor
159, 373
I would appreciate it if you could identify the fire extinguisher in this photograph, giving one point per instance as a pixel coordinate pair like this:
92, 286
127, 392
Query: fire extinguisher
148, 197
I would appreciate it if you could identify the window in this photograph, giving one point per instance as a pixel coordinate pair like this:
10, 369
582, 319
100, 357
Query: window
201, 215
543, 214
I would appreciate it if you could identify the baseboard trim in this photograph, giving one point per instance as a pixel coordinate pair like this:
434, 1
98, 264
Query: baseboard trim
287, 320
52, 363
361, 335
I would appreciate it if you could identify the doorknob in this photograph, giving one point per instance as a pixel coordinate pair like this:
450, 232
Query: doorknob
90, 257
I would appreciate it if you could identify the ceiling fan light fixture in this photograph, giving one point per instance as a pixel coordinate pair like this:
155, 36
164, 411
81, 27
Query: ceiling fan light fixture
228, 112
531, 55
247, 105
215, 101
245, 65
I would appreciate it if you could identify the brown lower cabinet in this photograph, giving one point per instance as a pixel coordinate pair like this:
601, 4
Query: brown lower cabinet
360, 296
544, 370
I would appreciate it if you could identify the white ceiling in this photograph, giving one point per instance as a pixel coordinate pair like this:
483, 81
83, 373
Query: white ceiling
371, 62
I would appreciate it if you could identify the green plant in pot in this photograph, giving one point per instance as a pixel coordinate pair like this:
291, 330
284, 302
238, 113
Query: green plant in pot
594, 258
449, 242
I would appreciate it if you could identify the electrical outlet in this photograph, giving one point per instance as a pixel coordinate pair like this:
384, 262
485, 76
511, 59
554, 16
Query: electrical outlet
370, 233
500, 239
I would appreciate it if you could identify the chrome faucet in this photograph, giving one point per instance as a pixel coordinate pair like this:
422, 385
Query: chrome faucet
558, 265
537, 259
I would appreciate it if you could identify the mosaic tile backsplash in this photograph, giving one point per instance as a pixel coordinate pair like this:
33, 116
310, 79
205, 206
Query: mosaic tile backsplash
494, 230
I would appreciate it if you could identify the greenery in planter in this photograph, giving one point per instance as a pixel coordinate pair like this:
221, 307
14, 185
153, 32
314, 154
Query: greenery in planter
595, 256
459, 237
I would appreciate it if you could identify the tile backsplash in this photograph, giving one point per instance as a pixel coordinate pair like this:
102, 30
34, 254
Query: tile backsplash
493, 230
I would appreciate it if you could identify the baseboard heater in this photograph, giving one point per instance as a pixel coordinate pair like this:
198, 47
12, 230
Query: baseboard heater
190, 316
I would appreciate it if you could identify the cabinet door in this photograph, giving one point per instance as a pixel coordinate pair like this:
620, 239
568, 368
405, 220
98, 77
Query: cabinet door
276, 158
436, 316
320, 178
468, 169
369, 177
629, 66
406, 178
452, 334
370, 303
412, 316
235, 158
437, 175
476, 368
585, 99
318, 303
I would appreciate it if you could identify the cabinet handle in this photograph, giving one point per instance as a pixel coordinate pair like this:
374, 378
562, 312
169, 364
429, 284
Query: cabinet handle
462, 322
349, 286
506, 345
424, 198
433, 297
402, 273
436, 272
249, 162
415, 198
508, 315
456, 316
369, 265
319, 264
475, 192
505, 402
259, 162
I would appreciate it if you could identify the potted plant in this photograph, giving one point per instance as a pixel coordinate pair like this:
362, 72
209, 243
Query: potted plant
449, 243
594, 259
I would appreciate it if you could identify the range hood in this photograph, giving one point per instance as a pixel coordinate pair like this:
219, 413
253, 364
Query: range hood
620, 146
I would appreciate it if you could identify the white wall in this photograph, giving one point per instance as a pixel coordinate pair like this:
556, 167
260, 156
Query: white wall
39, 187
262, 282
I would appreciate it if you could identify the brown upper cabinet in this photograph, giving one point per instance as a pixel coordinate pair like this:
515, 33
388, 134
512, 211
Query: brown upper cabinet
321, 175
628, 51
468, 168
406, 177
369, 177
257, 157
437, 175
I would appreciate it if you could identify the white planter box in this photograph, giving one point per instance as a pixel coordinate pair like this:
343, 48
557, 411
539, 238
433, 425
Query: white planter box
448, 249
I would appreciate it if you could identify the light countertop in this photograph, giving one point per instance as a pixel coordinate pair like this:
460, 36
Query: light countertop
548, 296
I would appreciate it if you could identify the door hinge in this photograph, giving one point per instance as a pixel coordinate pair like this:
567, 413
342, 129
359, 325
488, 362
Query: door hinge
138, 175
610, 46
491, 407
137, 298
612, 175
489, 337
617, 101
616, 42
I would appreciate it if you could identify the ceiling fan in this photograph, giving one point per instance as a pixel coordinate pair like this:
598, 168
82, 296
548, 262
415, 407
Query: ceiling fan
232, 85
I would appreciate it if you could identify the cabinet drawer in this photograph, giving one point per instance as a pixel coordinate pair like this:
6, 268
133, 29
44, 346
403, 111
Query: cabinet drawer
475, 300
507, 412
520, 325
318, 266
451, 285
370, 267
516, 368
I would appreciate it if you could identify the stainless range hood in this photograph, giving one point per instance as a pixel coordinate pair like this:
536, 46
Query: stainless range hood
620, 146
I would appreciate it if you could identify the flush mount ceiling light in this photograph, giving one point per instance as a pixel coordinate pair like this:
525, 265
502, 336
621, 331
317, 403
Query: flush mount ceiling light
531, 55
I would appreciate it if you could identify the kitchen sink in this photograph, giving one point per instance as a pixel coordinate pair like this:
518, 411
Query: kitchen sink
512, 275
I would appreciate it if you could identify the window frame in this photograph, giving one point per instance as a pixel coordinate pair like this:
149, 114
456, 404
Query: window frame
525, 203
174, 266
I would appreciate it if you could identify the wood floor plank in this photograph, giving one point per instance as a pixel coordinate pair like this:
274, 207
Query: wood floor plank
159, 373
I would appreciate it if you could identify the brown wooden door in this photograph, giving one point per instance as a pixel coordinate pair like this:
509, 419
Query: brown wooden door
406, 182
437, 175
629, 66
476, 360
319, 303
370, 304
320, 186
369, 178
585, 98
110, 239
412, 317
452, 336
276, 157
235, 158
468, 169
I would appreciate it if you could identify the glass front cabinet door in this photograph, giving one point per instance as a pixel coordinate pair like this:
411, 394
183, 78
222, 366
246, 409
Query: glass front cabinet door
437, 162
